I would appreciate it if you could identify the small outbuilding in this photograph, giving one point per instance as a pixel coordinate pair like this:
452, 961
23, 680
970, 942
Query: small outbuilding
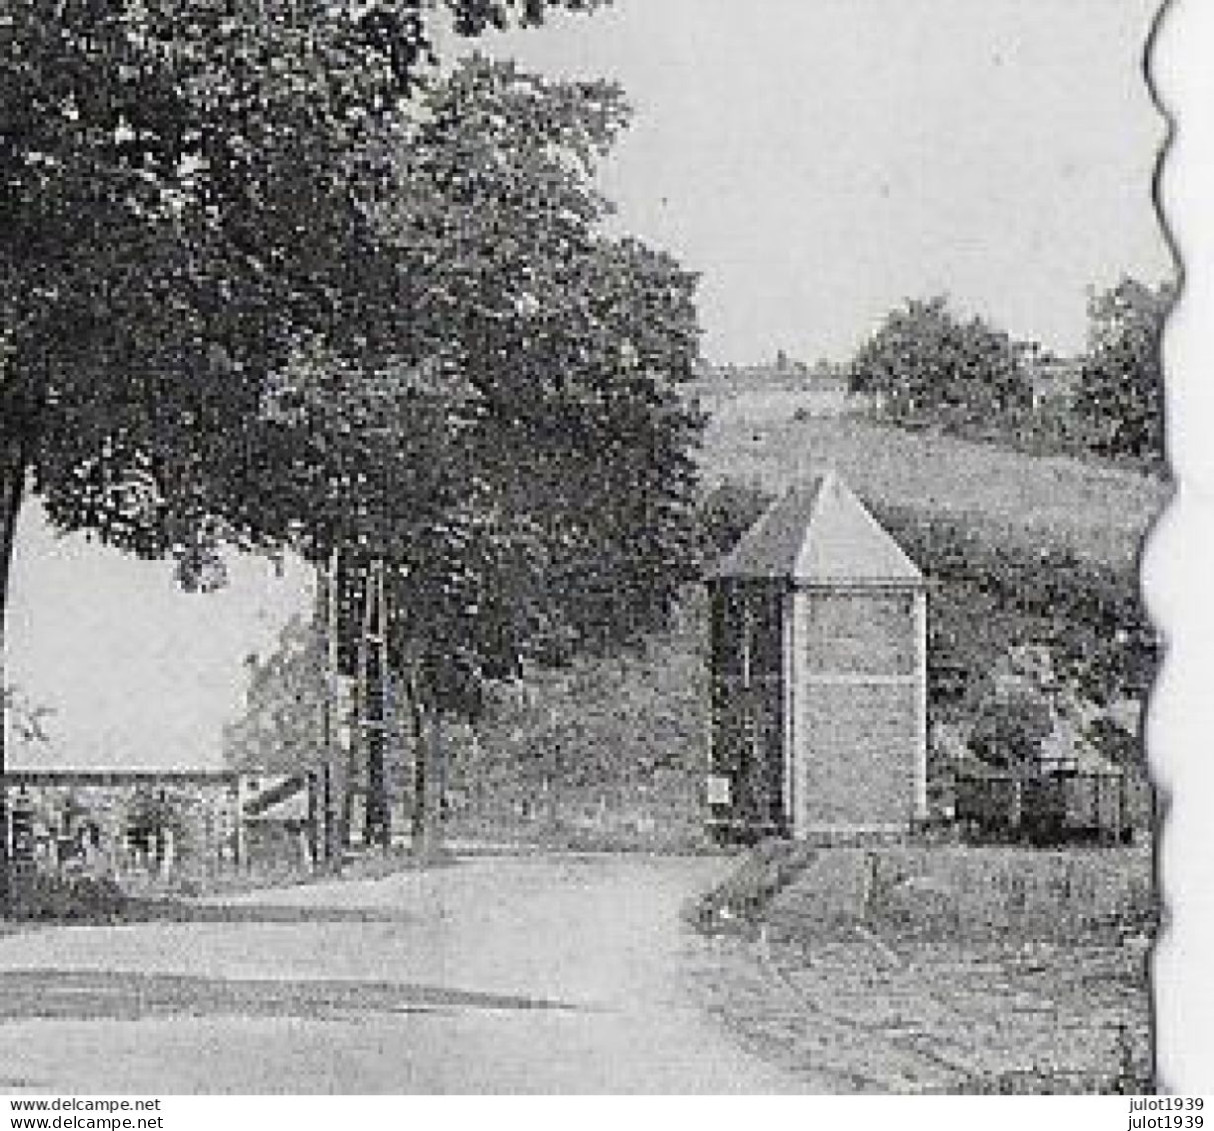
819, 674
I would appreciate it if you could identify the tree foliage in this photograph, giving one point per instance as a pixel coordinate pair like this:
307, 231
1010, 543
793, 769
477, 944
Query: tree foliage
524, 462
926, 362
1010, 728
726, 513
202, 199
520, 459
255, 291
283, 723
186, 189
1120, 397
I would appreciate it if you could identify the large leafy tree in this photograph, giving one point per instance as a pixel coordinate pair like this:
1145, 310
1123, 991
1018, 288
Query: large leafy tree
186, 190
1120, 396
925, 361
523, 464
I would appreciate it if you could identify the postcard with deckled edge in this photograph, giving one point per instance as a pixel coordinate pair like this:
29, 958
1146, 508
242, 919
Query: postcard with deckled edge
592, 548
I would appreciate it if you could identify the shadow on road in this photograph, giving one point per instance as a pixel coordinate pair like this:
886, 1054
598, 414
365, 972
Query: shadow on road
170, 910
182, 911
52, 994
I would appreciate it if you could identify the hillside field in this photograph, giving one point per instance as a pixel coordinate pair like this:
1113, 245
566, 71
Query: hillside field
1045, 990
614, 751
1099, 512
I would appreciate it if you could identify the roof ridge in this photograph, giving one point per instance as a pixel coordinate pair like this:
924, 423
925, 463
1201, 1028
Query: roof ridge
826, 481
819, 530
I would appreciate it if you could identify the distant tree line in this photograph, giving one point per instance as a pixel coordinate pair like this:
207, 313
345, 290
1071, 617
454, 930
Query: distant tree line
926, 365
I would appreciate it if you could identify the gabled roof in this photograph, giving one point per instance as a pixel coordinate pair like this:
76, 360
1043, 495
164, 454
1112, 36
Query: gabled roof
819, 533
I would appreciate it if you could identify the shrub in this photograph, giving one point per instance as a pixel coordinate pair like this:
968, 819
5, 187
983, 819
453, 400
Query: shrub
1010, 727
84, 898
726, 513
992, 590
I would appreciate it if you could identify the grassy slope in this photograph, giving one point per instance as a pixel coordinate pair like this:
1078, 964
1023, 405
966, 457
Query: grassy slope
1020, 970
622, 742
632, 732
1098, 512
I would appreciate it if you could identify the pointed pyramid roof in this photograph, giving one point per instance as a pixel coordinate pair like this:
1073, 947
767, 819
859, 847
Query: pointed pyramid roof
820, 533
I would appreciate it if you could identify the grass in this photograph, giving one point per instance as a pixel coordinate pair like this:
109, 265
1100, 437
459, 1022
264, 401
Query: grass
609, 753
1096, 511
939, 893
1017, 970
613, 752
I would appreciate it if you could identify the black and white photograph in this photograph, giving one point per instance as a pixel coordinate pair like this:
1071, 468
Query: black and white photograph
585, 547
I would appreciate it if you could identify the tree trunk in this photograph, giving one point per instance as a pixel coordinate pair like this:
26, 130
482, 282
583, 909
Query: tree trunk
324, 846
336, 768
426, 839
12, 492
420, 820
373, 673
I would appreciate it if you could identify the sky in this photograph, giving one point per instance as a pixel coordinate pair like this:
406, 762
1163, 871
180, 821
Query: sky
817, 161
820, 161
135, 672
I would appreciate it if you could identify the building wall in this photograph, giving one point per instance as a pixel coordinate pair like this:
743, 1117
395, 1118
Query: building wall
858, 749
858, 715
748, 705
88, 820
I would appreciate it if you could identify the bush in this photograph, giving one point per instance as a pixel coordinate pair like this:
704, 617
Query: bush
727, 512
42, 896
1010, 728
993, 590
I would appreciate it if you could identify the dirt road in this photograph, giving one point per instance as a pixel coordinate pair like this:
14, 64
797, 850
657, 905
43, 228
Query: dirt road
494, 974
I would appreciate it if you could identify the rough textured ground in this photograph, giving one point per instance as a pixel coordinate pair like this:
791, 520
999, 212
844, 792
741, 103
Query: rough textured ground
944, 1020
1098, 511
957, 981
